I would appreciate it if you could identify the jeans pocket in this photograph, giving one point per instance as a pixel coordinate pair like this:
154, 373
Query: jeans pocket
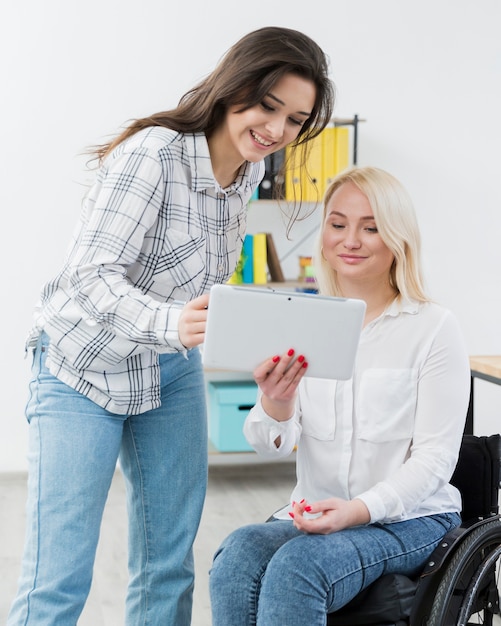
39, 354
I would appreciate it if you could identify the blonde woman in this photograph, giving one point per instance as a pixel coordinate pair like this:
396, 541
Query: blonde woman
374, 453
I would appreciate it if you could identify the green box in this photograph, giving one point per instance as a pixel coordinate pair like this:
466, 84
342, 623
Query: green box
229, 405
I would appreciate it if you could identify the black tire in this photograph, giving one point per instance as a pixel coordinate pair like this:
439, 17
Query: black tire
469, 585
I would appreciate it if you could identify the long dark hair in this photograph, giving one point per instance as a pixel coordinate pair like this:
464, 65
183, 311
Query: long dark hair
245, 74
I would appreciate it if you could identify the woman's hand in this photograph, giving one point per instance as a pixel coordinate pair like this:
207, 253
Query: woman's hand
333, 514
192, 321
278, 378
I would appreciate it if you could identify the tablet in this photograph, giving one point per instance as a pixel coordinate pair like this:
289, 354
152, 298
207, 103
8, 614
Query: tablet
247, 325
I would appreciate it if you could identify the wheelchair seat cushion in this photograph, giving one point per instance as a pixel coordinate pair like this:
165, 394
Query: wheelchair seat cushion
387, 600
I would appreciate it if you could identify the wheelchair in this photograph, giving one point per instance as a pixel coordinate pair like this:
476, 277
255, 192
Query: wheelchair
459, 585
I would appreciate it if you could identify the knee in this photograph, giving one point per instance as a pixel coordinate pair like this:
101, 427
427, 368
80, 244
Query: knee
294, 588
235, 554
292, 569
302, 568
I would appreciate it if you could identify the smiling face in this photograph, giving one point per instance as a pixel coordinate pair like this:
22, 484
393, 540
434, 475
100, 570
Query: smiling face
254, 133
351, 243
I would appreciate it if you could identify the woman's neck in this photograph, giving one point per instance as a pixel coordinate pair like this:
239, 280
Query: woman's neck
225, 163
376, 296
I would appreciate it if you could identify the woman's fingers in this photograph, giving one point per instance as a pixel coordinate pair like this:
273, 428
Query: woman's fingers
198, 304
279, 375
265, 369
192, 321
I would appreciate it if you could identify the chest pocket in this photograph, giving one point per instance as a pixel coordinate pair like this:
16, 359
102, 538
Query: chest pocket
180, 266
387, 404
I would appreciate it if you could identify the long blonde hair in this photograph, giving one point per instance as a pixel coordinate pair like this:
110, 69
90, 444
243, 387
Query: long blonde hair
397, 225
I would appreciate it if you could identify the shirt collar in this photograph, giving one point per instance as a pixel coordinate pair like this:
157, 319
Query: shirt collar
202, 176
397, 307
402, 305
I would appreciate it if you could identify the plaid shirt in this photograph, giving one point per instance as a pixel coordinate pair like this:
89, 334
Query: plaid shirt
156, 229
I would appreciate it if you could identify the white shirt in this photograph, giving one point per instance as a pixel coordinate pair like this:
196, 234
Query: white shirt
389, 436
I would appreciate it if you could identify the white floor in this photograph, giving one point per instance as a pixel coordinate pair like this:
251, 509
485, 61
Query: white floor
240, 491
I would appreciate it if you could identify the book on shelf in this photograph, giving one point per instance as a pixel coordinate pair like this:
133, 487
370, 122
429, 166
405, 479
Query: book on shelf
312, 175
260, 264
258, 261
248, 259
335, 156
272, 171
265, 186
274, 267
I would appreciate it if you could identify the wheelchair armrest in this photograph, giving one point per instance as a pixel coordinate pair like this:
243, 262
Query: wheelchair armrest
450, 540
428, 582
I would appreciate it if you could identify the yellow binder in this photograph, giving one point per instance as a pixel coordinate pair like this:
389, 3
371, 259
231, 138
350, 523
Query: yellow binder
335, 148
292, 177
260, 259
312, 174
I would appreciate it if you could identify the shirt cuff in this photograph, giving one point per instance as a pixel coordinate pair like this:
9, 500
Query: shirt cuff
384, 505
167, 328
374, 504
260, 427
283, 425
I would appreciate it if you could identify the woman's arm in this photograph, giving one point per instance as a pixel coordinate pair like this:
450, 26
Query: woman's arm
272, 425
128, 197
442, 402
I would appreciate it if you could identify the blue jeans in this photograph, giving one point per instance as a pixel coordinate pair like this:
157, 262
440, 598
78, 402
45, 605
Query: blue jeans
73, 450
272, 574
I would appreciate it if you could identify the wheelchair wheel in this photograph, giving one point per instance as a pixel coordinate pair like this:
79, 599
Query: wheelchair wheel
469, 589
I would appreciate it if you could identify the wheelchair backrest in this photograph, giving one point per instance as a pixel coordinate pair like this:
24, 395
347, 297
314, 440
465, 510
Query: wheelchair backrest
477, 475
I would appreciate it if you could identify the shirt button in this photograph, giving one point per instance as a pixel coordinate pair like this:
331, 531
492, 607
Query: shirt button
220, 268
220, 232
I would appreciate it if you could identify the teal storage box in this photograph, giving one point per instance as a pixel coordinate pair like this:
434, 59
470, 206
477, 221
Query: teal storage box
229, 405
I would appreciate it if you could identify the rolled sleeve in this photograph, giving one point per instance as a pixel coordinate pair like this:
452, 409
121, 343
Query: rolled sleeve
377, 502
261, 431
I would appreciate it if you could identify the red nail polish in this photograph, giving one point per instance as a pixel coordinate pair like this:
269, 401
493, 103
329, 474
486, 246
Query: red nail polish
305, 364
276, 359
291, 352
300, 358
303, 500
291, 514
307, 508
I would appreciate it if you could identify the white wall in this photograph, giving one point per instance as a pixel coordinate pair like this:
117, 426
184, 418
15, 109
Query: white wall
426, 76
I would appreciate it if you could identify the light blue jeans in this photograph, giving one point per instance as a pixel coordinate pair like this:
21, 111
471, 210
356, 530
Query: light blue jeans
272, 574
73, 450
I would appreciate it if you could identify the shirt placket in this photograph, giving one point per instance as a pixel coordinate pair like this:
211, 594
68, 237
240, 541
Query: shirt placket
344, 405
